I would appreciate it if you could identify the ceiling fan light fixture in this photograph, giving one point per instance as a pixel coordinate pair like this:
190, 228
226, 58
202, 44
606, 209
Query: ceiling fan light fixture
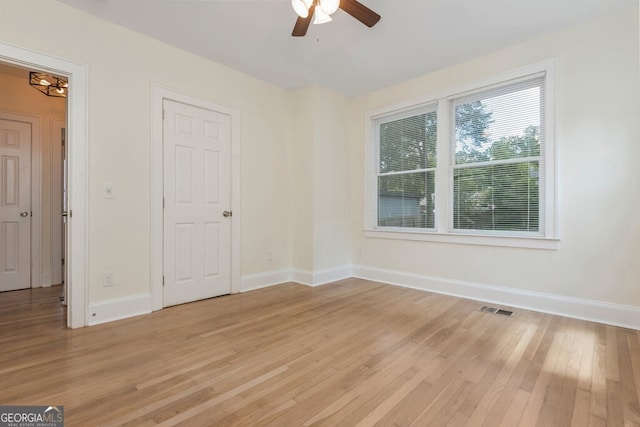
319, 12
320, 17
329, 6
301, 7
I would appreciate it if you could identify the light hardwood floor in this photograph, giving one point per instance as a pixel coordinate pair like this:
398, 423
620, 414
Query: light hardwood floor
352, 353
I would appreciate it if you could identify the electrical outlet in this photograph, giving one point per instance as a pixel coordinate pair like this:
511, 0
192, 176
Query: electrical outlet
107, 279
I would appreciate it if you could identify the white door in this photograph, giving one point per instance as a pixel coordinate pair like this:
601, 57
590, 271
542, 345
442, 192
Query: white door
197, 196
15, 205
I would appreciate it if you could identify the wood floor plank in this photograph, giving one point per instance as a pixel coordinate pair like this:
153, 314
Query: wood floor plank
633, 337
351, 353
631, 407
615, 411
581, 413
584, 376
613, 370
551, 402
514, 412
595, 421
599, 374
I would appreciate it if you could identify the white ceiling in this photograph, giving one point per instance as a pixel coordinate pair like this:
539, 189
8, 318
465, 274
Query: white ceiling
414, 37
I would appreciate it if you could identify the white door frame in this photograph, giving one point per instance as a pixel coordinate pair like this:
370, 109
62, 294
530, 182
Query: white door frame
77, 144
158, 95
57, 203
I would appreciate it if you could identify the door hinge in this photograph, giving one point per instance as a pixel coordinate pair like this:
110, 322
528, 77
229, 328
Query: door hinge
162, 280
163, 203
62, 261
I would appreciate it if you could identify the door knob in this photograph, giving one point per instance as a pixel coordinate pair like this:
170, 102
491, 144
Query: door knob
24, 214
227, 214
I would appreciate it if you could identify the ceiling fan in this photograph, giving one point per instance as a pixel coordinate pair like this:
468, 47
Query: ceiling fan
320, 10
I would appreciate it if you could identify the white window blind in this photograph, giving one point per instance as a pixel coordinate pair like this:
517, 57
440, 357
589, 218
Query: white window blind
406, 169
498, 160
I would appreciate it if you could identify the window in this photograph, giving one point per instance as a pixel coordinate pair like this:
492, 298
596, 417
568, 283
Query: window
497, 159
473, 163
406, 169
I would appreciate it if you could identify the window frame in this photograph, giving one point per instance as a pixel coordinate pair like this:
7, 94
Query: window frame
444, 232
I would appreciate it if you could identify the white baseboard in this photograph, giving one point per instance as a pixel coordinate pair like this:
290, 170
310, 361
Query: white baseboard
304, 277
118, 308
596, 311
577, 308
322, 277
262, 280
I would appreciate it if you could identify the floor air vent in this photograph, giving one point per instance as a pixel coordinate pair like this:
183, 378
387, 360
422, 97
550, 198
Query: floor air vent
497, 311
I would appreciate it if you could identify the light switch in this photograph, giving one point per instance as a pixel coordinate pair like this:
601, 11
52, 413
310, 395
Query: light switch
108, 191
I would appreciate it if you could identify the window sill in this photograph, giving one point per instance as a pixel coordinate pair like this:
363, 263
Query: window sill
467, 239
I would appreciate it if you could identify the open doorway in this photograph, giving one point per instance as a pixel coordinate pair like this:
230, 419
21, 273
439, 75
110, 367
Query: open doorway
76, 148
32, 156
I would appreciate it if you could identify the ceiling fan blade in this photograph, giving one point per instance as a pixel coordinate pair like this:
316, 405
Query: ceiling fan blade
302, 24
359, 11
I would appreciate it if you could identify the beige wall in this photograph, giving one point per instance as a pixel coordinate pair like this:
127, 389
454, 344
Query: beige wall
331, 242
321, 241
598, 146
122, 67
302, 180
18, 97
